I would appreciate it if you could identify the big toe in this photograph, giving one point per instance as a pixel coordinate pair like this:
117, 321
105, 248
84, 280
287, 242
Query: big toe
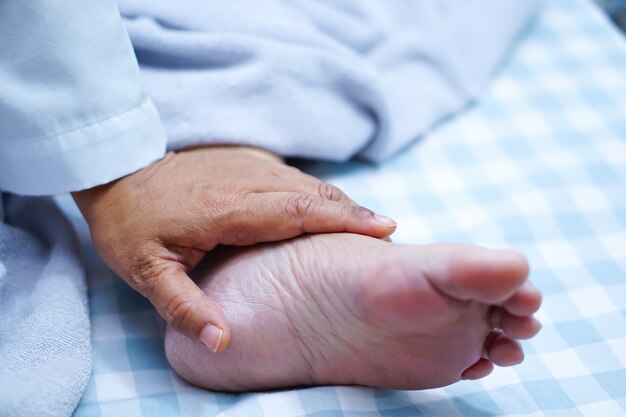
470, 272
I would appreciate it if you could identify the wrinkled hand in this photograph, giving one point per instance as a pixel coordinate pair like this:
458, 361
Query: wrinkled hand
155, 225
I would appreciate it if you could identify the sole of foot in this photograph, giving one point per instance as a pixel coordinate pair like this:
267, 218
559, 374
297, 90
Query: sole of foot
344, 309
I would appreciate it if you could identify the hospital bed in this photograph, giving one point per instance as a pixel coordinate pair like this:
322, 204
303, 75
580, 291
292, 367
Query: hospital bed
538, 165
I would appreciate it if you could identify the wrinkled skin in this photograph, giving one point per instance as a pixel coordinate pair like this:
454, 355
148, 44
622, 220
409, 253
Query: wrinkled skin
349, 309
153, 226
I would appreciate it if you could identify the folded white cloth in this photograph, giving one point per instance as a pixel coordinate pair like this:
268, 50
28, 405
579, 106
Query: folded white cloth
320, 79
45, 351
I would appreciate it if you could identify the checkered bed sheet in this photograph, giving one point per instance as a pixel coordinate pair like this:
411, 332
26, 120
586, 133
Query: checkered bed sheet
538, 165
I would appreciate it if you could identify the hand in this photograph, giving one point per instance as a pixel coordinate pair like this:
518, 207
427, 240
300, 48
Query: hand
152, 227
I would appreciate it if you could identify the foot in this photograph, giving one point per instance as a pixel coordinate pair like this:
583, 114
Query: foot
345, 309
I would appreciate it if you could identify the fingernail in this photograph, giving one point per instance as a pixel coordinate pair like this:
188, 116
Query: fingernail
385, 220
211, 337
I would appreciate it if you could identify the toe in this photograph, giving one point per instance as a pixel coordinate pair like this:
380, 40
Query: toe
525, 301
480, 369
471, 272
519, 327
504, 351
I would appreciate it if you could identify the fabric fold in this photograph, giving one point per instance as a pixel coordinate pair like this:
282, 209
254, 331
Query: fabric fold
85, 157
45, 348
328, 79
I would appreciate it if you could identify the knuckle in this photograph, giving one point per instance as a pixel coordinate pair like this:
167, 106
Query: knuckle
330, 192
213, 200
301, 206
179, 309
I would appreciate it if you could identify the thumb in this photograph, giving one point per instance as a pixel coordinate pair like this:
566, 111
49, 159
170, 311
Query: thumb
188, 310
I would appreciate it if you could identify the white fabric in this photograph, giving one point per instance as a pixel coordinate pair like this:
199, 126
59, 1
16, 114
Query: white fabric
73, 113
325, 79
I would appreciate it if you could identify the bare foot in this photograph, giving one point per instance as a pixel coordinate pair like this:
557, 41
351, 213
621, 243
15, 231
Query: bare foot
352, 310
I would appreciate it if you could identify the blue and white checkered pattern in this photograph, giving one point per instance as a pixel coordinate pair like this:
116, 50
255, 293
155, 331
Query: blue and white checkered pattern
539, 165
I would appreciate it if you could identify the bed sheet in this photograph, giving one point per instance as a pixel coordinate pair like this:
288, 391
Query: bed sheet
539, 165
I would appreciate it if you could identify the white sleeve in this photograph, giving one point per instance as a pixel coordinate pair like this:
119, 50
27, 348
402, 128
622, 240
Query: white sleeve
73, 114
